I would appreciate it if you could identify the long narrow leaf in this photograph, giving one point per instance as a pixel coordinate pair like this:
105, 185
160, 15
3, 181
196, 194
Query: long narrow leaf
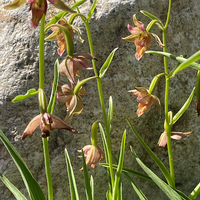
18, 195
126, 170
92, 186
110, 111
33, 188
119, 167
54, 89
195, 192
105, 66
177, 58
92, 10
136, 188
87, 180
155, 158
72, 182
184, 107
172, 194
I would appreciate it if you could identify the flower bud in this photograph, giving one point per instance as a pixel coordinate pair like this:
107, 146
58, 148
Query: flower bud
42, 101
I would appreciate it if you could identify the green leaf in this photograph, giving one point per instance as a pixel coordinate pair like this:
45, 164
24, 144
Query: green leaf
177, 58
105, 66
184, 107
152, 17
87, 180
136, 188
34, 190
92, 186
126, 170
92, 10
172, 194
119, 167
198, 86
63, 13
109, 195
29, 93
54, 89
18, 195
150, 152
79, 85
72, 182
15, 4
195, 192
110, 111
187, 62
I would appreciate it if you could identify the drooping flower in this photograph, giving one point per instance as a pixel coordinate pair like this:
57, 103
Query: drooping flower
47, 122
38, 8
145, 100
73, 101
140, 37
70, 66
93, 155
174, 135
59, 36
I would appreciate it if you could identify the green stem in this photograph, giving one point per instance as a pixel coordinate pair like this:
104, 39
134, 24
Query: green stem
102, 104
41, 54
167, 125
47, 168
41, 85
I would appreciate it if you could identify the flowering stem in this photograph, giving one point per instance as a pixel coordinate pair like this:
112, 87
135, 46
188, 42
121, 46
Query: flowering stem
102, 103
168, 126
41, 85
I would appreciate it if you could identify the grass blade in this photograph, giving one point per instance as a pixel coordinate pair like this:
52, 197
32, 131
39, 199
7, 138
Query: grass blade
33, 188
72, 182
18, 195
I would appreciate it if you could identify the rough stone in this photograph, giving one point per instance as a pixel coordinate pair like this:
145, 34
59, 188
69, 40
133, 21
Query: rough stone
19, 72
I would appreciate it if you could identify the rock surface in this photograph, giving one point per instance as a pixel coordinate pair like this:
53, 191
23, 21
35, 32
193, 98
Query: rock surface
19, 72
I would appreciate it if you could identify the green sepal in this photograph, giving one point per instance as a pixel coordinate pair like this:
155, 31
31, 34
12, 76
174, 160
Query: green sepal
184, 107
62, 6
154, 82
29, 93
152, 23
63, 13
152, 17
170, 192
92, 10
179, 59
15, 4
42, 101
78, 86
94, 133
198, 86
72, 182
33, 188
18, 195
105, 66
73, 16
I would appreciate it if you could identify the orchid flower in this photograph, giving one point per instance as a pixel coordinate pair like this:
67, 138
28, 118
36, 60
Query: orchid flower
93, 155
70, 66
145, 100
47, 122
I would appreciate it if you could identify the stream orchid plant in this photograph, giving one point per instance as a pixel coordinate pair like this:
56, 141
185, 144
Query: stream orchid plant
63, 29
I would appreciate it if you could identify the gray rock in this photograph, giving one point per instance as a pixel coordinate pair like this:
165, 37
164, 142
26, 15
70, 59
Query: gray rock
19, 72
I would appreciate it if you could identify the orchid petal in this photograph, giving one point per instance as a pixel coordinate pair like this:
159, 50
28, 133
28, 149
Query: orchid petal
135, 31
33, 124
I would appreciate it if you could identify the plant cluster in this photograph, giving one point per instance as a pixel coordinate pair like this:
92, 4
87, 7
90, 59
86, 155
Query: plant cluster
63, 30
